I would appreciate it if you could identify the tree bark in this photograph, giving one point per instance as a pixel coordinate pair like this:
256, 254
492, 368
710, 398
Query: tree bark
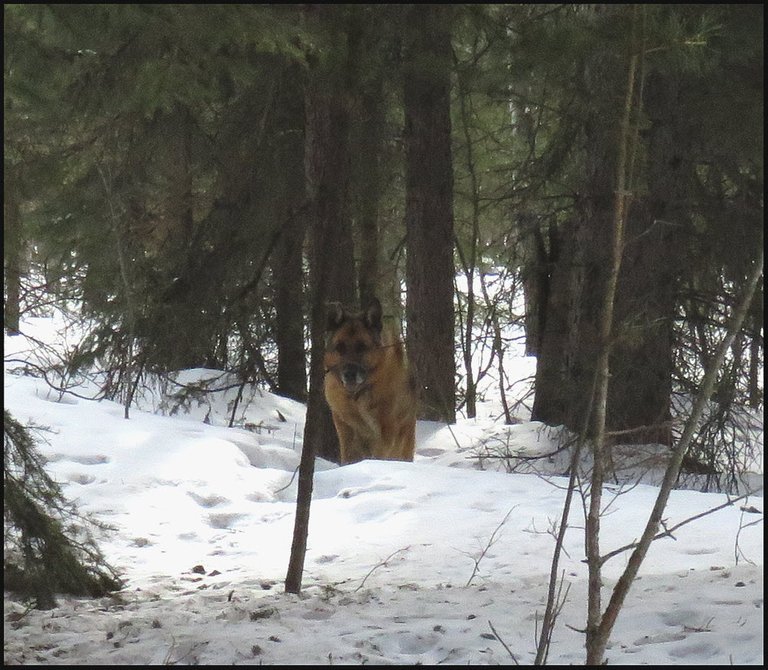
331, 258
470, 257
537, 260
568, 340
622, 194
755, 393
368, 133
639, 391
642, 362
331, 267
13, 246
288, 266
289, 309
429, 209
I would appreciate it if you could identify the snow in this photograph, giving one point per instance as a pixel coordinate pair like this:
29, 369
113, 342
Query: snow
407, 562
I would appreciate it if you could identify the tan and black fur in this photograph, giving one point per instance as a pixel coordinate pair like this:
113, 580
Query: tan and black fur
368, 388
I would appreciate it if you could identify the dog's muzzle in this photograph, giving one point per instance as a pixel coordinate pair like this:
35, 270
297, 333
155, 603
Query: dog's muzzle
353, 375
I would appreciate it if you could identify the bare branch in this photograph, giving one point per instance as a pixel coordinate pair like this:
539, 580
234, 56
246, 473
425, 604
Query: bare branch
503, 644
380, 565
668, 531
624, 583
489, 544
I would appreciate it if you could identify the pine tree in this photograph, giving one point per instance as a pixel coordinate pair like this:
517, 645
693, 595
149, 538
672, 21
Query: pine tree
167, 129
672, 219
49, 547
429, 209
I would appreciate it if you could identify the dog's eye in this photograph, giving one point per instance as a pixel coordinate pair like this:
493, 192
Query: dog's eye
360, 347
341, 348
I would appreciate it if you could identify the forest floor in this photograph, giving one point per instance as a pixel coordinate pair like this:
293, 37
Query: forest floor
444, 560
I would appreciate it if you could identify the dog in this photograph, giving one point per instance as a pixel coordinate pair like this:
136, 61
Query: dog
368, 387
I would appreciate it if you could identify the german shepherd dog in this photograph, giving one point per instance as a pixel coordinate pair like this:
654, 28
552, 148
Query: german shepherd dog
368, 387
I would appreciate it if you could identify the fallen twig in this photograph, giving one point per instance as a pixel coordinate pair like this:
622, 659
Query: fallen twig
503, 644
379, 565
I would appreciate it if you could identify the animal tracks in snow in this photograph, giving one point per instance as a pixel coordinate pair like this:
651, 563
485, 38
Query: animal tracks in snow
86, 459
208, 501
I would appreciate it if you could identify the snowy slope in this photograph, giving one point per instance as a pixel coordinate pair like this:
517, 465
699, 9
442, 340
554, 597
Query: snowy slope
407, 562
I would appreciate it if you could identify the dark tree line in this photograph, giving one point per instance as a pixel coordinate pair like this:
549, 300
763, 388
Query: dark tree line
684, 133
201, 180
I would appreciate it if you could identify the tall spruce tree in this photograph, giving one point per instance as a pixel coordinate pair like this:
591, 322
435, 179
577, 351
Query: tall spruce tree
165, 125
171, 137
429, 208
668, 218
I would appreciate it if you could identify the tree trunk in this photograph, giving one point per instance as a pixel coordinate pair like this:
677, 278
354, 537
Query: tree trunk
288, 269
429, 209
13, 246
289, 309
469, 259
568, 339
181, 186
369, 191
331, 257
535, 280
642, 362
755, 368
366, 159
639, 391
625, 149
331, 267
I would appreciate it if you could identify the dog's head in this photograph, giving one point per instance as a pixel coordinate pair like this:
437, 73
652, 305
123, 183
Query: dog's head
353, 344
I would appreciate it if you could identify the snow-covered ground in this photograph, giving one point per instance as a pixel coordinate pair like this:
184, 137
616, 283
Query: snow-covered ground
407, 562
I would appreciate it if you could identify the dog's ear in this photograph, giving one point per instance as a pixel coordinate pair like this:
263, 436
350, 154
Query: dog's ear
336, 316
373, 315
